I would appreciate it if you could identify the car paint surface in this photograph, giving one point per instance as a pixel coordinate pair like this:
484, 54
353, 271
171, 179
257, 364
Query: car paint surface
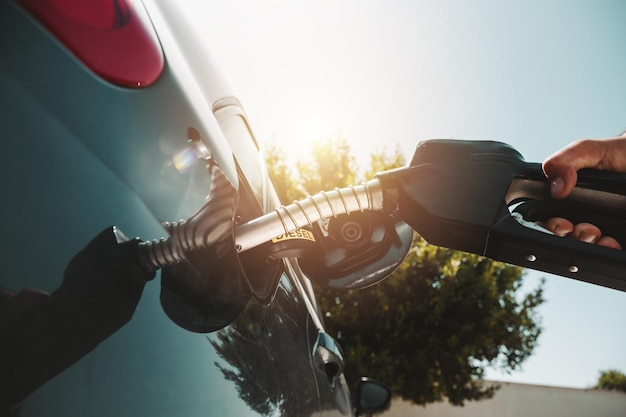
81, 154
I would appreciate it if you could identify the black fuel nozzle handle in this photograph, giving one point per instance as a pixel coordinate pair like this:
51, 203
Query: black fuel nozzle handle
459, 194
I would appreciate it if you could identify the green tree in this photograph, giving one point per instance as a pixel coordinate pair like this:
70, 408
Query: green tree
612, 380
433, 327
440, 320
330, 165
283, 175
381, 161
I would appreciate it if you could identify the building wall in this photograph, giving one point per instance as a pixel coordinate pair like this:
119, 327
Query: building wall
522, 400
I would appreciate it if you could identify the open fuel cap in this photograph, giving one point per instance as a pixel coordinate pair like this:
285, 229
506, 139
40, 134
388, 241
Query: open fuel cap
205, 294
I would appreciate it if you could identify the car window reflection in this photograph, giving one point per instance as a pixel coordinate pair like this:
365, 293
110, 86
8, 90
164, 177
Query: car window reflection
264, 358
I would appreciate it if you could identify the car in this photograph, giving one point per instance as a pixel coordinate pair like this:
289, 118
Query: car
116, 118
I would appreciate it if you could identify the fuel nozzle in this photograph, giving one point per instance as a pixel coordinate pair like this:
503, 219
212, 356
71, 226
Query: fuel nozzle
454, 193
304, 229
461, 195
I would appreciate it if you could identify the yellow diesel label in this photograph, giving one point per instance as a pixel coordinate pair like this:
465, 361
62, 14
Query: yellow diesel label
296, 234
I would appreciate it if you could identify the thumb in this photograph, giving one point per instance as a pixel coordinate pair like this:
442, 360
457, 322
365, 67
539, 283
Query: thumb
561, 167
607, 154
562, 178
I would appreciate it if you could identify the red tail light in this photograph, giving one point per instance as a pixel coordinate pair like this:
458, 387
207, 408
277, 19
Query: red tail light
113, 38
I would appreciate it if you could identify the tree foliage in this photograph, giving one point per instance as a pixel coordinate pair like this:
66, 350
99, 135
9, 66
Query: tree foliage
331, 165
381, 161
283, 175
612, 380
432, 328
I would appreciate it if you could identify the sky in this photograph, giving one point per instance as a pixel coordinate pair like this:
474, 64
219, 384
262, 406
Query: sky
536, 74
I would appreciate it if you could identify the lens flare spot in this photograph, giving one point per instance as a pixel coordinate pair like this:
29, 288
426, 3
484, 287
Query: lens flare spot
184, 159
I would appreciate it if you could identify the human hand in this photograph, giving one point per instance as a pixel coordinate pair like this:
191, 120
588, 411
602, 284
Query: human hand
561, 169
585, 232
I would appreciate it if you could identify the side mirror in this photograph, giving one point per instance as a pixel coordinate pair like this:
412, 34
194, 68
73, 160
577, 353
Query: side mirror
371, 397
